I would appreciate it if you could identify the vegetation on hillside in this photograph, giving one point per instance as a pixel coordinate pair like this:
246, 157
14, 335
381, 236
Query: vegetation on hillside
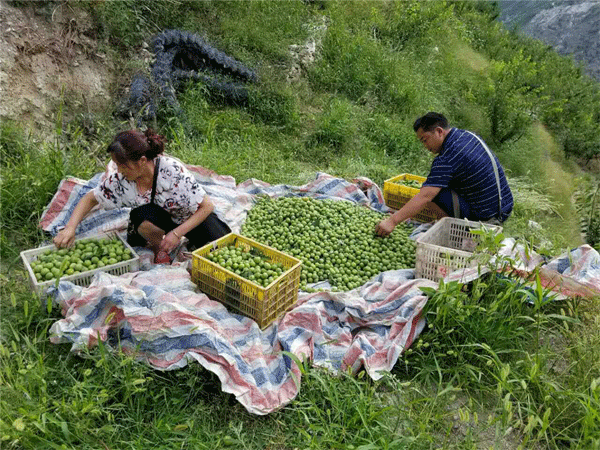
498, 365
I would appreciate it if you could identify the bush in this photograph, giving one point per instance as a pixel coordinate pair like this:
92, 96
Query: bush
252, 30
414, 24
512, 97
396, 140
547, 86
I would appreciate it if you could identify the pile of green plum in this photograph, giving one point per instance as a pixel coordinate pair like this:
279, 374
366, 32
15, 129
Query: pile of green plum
411, 183
86, 254
334, 239
249, 264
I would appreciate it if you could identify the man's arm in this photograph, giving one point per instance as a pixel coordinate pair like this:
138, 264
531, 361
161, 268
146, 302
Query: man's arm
413, 207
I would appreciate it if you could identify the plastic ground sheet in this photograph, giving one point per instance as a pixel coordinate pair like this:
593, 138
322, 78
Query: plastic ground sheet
158, 315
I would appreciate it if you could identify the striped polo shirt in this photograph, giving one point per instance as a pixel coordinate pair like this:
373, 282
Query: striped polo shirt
464, 166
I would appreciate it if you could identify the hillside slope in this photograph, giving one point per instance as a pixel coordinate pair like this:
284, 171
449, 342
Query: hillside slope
347, 110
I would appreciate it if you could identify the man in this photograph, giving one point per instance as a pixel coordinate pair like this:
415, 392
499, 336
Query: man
466, 179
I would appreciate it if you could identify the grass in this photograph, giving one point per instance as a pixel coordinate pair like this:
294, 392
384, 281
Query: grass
544, 185
494, 358
498, 338
498, 366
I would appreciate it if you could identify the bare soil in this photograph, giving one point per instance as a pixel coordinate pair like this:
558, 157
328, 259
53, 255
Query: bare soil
49, 57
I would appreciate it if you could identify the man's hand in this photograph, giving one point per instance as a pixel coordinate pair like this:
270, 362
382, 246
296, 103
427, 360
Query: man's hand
385, 227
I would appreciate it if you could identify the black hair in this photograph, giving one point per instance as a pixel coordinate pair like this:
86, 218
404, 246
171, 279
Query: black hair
131, 145
430, 121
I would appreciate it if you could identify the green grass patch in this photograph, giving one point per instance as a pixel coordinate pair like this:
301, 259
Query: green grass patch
31, 171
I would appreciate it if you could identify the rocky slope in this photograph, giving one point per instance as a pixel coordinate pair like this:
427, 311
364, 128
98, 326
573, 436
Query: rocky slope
572, 27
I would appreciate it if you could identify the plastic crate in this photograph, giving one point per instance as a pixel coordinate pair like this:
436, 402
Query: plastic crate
447, 246
263, 304
84, 278
396, 195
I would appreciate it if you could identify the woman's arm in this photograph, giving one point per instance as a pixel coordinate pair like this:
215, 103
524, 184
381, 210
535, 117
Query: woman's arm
172, 238
66, 236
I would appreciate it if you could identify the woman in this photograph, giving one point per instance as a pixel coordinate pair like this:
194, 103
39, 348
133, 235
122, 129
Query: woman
166, 200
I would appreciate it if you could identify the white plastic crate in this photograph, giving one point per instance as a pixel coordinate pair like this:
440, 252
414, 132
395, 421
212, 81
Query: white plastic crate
84, 278
447, 246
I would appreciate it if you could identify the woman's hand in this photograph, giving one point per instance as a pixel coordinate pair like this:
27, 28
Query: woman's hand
65, 238
169, 242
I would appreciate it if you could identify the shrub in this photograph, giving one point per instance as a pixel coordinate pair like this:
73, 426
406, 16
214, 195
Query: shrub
396, 140
512, 97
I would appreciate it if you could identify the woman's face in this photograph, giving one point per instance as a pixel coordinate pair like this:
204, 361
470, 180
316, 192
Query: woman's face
131, 170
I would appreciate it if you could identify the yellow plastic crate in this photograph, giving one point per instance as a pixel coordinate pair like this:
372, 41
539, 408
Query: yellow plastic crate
396, 195
448, 246
84, 278
263, 304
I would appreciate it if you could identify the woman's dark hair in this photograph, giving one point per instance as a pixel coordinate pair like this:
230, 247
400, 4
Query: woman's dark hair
430, 121
131, 145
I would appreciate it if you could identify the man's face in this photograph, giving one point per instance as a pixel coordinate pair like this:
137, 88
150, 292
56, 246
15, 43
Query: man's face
432, 140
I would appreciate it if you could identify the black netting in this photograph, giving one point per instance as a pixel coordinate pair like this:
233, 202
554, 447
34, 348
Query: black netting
181, 56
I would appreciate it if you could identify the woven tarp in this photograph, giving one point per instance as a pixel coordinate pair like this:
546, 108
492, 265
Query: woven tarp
159, 315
